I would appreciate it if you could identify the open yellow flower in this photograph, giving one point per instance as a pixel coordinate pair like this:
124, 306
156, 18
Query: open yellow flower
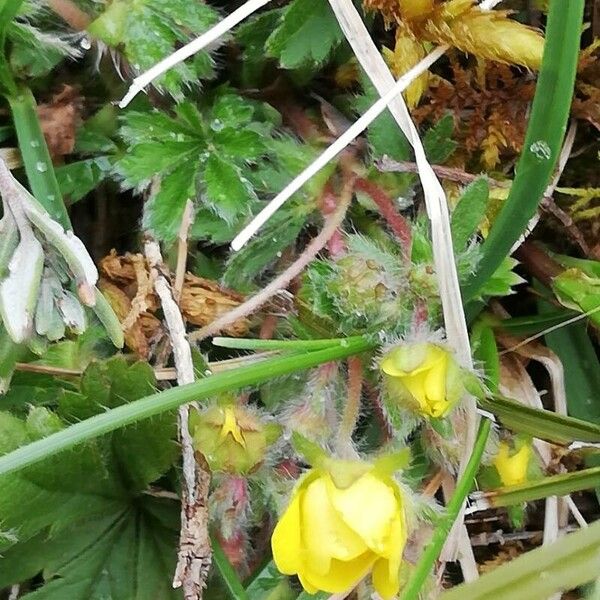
512, 469
423, 376
341, 524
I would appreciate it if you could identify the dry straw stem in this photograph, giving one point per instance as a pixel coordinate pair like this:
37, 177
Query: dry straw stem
194, 556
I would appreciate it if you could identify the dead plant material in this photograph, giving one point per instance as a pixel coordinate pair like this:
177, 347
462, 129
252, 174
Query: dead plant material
129, 290
487, 102
59, 120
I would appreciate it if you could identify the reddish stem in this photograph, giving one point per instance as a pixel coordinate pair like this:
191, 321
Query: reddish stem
328, 201
397, 223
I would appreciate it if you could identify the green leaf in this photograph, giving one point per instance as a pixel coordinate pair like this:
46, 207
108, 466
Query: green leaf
469, 212
384, 135
149, 30
539, 574
78, 179
281, 231
438, 142
163, 212
307, 34
228, 193
502, 281
240, 143
542, 424
126, 554
148, 159
81, 516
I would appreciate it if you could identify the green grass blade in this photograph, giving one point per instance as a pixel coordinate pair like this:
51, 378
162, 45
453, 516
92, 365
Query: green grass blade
444, 525
168, 399
8, 11
542, 424
227, 572
571, 561
545, 134
36, 158
556, 485
534, 323
254, 344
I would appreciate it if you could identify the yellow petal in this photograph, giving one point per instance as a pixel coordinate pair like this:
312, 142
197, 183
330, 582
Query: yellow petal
416, 387
286, 542
325, 536
342, 575
435, 381
372, 524
386, 570
385, 585
512, 469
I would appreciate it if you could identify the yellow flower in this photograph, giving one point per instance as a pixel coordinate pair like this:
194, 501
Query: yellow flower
231, 438
425, 376
512, 469
341, 524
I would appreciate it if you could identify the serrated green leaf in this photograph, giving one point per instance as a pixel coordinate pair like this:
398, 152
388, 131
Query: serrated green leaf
240, 143
227, 192
128, 554
163, 212
261, 251
79, 516
503, 280
144, 161
149, 30
307, 34
384, 135
438, 142
232, 110
469, 212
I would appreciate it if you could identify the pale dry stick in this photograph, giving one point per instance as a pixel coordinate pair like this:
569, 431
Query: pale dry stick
281, 281
336, 148
207, 38
182, 247
435, 199
194, 556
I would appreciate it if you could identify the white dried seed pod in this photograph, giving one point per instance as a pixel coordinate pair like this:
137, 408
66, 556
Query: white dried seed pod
72, 312
19, 290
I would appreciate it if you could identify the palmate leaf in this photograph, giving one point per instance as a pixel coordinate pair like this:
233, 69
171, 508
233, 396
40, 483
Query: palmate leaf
207, 156
81, 517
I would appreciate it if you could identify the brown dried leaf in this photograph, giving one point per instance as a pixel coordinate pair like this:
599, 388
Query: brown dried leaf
59, 120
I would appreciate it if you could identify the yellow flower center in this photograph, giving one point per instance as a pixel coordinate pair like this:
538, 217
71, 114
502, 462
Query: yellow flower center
230, 427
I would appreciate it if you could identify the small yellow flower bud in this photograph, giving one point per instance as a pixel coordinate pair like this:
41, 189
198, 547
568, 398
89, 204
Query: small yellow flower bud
512, 469
231, 438
327, 538
423, 376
